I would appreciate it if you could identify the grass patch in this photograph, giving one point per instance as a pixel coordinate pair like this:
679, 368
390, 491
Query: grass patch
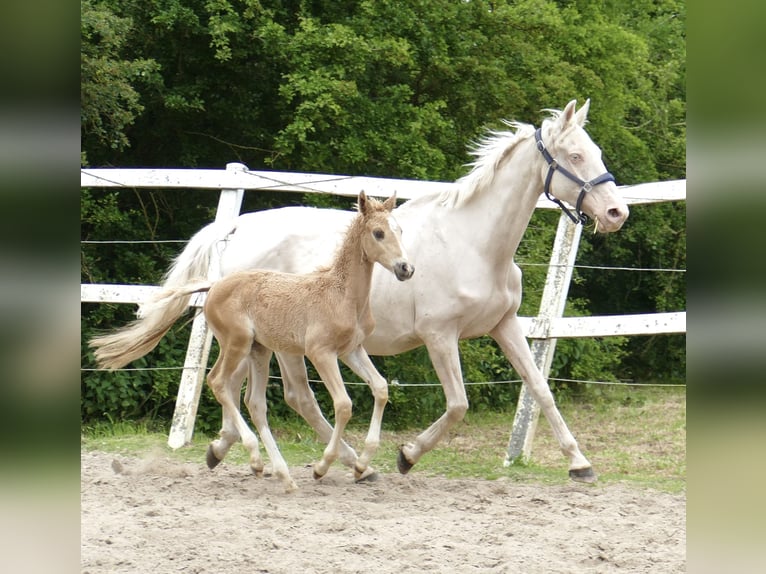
633, 435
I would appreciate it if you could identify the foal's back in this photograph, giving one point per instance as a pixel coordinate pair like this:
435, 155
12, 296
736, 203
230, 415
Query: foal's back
281, 311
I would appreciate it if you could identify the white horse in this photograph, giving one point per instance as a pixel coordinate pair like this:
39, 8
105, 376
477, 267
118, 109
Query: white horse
462, 241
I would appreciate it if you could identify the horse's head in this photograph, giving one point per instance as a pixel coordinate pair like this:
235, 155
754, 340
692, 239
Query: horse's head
382, 236
582, 180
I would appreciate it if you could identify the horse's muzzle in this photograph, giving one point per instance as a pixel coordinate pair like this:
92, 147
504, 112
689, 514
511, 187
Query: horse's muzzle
403, 270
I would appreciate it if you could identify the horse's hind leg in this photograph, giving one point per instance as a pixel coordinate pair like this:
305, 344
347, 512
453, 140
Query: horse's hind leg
255, 398
300, 397
510, 337
361, 364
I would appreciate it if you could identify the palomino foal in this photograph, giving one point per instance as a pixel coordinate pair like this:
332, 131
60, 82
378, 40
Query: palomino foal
322, 315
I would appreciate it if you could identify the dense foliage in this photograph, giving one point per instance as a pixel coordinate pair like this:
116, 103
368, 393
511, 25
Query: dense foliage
386, 88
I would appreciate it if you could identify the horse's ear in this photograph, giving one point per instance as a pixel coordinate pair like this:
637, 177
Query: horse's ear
361, 204
565, 119
582, 114
390, 203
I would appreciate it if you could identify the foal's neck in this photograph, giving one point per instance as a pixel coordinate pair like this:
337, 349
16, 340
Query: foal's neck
350, 269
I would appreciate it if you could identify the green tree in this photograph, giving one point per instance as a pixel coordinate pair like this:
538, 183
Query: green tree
108, 99
391, 88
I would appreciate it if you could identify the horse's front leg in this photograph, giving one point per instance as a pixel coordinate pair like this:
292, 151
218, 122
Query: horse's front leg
443, 351
510, 336
327, 366
360, 363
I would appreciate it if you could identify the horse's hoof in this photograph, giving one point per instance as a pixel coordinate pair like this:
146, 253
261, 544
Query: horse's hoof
583, 475
317, 476
402, 463
211, 459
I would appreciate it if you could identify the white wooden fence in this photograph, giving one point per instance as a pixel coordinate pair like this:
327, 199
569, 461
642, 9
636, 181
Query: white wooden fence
543, 330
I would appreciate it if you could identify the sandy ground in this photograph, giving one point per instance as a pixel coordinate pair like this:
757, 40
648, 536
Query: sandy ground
157, 515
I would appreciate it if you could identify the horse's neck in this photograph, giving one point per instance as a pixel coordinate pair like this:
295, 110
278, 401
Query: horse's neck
502, 212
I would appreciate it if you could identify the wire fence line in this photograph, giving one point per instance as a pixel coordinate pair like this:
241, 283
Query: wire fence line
519, 263
397, 383
276, 182
129, 241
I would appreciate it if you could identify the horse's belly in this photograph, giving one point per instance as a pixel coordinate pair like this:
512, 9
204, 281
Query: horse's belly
382, 342
480, 317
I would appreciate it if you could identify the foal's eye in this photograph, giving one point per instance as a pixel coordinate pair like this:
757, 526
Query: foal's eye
575, 158
378, 234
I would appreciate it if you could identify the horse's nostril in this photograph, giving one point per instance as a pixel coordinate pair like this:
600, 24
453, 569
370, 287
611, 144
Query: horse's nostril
614, 213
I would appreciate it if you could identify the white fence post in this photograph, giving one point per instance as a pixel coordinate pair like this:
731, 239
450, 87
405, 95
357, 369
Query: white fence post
542, 346
195, 364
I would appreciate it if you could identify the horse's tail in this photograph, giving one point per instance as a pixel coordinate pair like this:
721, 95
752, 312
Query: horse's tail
137, 338
193, 262
157, 315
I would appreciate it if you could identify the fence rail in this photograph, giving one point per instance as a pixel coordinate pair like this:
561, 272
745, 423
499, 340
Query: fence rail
558, 327
543, 330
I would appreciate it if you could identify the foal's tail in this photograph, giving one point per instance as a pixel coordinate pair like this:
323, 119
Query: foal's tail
157, 315
139, 337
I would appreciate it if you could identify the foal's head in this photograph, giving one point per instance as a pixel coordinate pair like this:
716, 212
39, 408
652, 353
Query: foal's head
382, 237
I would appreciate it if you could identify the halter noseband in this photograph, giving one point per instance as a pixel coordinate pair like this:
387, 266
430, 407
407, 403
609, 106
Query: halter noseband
586, 185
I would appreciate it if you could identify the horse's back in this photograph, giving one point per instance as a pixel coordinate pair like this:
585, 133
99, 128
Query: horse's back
291, 239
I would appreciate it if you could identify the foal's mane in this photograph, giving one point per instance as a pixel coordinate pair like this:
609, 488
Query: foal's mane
352, 233
491, 151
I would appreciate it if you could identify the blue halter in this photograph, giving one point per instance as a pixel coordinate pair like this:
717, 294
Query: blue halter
586, 185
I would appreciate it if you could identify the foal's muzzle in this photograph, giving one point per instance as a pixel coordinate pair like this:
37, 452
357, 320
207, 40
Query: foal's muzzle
403, 270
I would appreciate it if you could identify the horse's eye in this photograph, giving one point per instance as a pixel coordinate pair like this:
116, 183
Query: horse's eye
378, 234
575, 158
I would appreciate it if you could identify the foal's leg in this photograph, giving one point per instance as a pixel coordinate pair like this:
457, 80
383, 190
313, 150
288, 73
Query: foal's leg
255, 398
510, 336
300, 397
228, 434
361, 364
443, 351
327, 366
225, 380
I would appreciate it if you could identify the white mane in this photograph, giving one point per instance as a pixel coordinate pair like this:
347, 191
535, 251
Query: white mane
490, 151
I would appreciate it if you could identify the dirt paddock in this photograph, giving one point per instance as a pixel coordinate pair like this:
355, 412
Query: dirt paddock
157, 515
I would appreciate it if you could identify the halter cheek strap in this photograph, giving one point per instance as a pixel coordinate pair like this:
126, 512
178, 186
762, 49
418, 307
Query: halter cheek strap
586, 186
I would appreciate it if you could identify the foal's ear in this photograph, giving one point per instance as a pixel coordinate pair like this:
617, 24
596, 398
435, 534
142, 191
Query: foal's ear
361, 204
390, 203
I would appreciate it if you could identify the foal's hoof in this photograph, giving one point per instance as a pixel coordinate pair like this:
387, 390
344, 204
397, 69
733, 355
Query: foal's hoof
402, 463
211, 459
369, 475
583, 475
316, 473
258, 472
